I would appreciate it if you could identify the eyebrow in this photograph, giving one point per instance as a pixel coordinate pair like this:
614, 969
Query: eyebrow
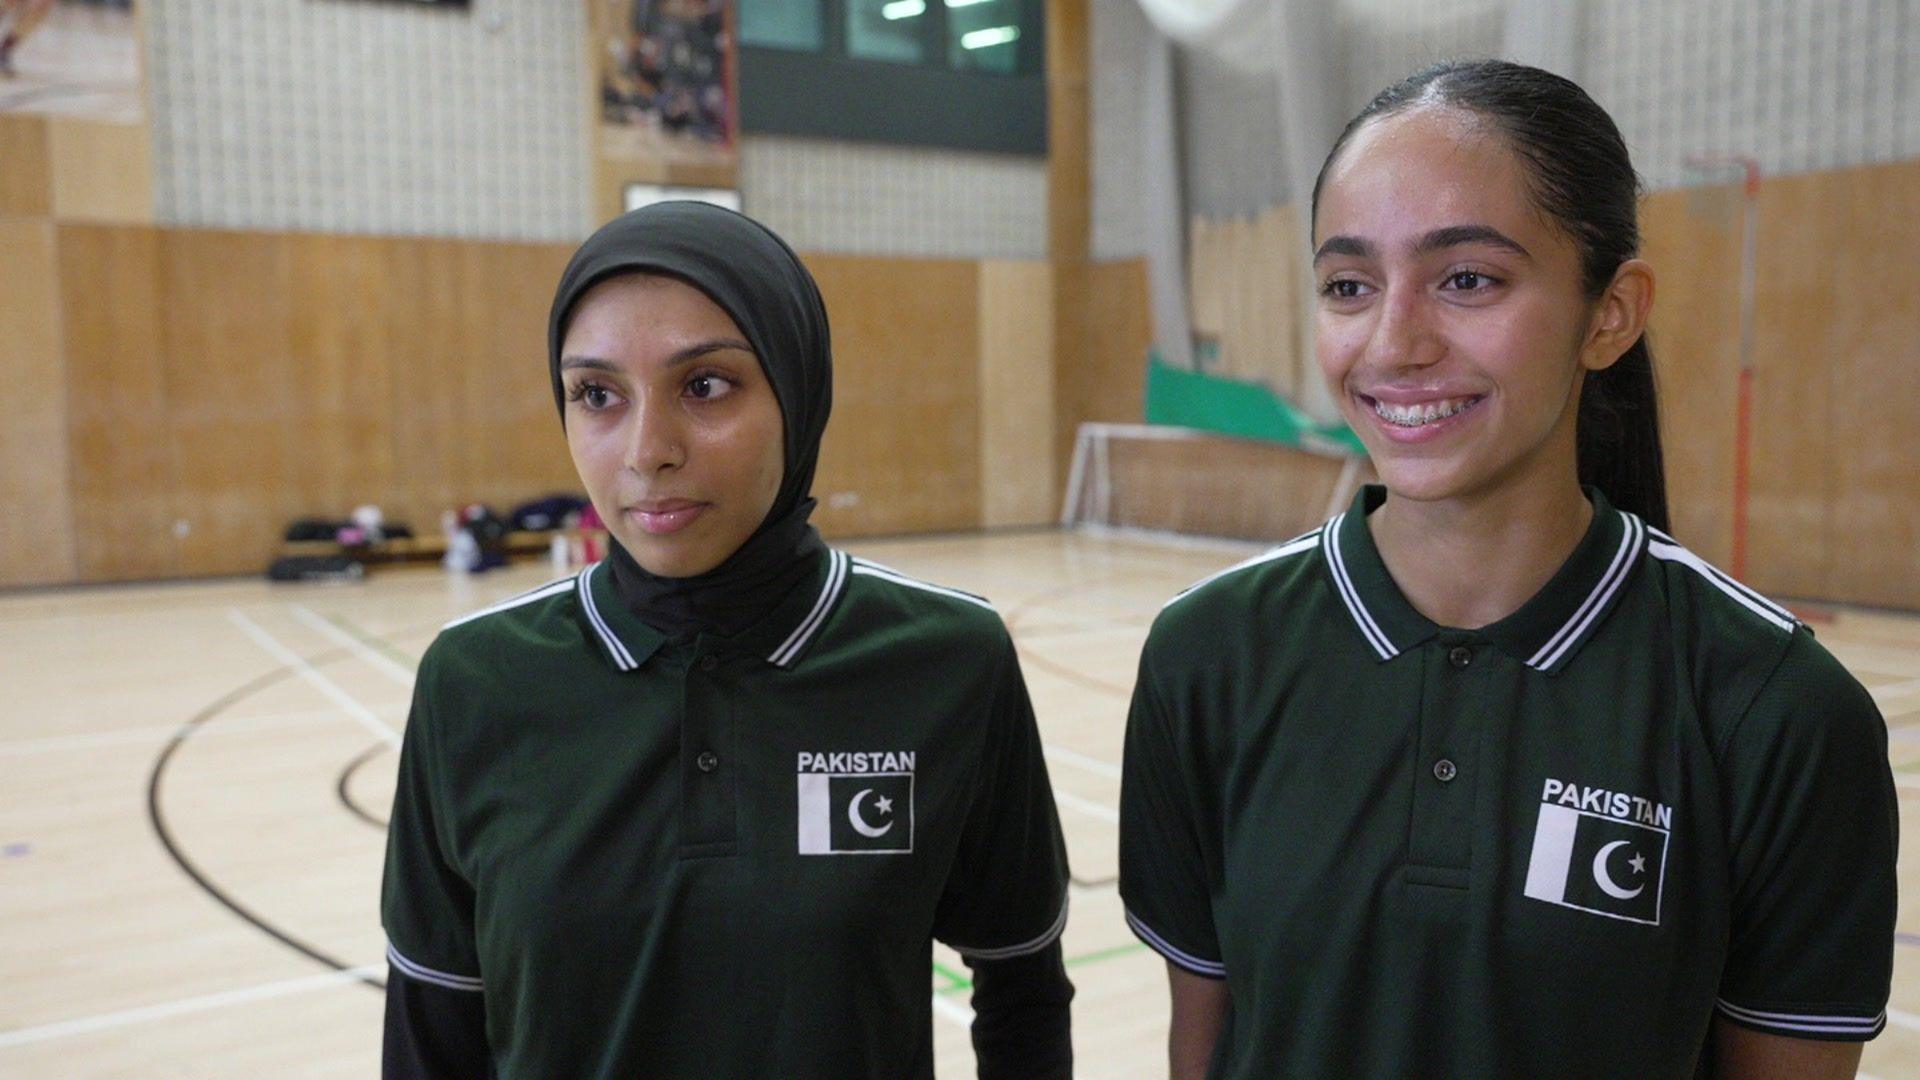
1437, 240
685, 356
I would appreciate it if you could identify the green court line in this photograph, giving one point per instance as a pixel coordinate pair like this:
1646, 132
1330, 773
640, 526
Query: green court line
957, 982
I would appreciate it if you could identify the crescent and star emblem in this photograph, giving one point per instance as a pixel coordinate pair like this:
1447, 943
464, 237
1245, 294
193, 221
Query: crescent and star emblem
1600, 875
883, 804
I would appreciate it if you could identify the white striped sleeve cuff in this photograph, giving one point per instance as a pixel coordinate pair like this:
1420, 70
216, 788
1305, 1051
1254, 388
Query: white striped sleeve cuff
1212, 969
1806, 1025
422, 973
1047, 937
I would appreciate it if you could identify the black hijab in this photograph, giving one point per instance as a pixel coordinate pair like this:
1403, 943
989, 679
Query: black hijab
759, 282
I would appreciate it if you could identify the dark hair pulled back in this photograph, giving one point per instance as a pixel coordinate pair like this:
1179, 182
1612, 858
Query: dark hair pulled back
1581, 176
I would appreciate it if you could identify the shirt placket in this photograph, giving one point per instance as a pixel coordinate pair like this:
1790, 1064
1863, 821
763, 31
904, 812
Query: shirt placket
709, 767
1440, 848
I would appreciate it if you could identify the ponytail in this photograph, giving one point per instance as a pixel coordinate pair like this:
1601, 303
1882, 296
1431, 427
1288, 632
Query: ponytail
1618, 436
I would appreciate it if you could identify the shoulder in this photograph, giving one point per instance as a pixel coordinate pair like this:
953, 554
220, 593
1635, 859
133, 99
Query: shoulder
1747, 655
1809, 700
1718, 623
880, 597
1277, 577
479, 644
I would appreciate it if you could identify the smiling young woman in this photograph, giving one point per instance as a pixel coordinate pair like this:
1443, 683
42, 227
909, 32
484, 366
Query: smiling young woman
702, 810
1489, 771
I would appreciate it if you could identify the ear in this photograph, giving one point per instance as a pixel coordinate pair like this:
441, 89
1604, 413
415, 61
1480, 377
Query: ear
1620, 318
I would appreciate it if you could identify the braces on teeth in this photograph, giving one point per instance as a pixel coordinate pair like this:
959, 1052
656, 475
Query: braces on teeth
1416, 415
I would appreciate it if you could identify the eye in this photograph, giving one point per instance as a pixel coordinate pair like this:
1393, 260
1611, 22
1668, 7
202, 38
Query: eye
708, 386
1342, 289
1469, 281
592, 395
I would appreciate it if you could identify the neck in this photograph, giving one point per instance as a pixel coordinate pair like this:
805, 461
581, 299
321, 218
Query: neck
1471, 561
733, 596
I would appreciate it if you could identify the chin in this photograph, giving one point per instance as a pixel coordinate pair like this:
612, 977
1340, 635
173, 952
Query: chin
1424, 480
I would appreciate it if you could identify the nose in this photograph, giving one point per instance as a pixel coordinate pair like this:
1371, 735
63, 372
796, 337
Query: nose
656, 441
1402, 335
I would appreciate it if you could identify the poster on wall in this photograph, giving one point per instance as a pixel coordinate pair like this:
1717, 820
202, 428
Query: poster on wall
667, 86
71, 57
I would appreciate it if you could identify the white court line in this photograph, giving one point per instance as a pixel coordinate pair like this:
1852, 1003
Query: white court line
1902, 1018
88, 1024
153, 732
1087, 806
387, 665
313, 677
1082, 761
950, 1009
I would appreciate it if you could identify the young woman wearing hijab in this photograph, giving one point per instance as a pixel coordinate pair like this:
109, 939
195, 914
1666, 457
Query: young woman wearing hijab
703, 809
1489, 776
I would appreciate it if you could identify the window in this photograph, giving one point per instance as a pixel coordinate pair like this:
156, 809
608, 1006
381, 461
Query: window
960, 73
783, 24
984, 35
893, 30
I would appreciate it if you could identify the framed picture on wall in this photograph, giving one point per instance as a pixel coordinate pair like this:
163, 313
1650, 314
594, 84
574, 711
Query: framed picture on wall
667, 81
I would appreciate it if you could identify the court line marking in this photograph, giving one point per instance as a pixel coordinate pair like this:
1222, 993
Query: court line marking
1082, 761
88, 1024
311, 675
1087, 806
159, 732
952, 1010
387, 665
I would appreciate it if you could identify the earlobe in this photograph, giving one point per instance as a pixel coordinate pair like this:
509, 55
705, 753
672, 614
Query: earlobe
1621, 317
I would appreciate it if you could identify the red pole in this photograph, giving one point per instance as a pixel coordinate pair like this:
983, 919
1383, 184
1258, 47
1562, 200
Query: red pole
1743, 415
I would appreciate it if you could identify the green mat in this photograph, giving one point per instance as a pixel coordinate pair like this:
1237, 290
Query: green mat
1247, 410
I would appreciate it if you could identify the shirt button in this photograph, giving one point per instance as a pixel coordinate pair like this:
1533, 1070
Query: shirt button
708, 761
708, 663
1460, 657
1444, 771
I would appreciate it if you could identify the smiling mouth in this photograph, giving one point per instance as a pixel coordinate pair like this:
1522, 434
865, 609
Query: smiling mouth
1422, 413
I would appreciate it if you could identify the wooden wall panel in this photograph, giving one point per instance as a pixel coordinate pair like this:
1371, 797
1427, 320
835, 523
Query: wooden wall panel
1016, 394
1789, 550
36, 527
1835, 509
1693, 242
902, 451
118, 411
26, 171
513, 441
101, 171
232, 396
429, 335
1244, 279
338, 309
1220, 487
1103, 366
1872, 356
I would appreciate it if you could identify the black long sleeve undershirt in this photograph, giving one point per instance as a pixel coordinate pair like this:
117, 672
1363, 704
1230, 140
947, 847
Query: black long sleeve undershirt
1022, 1023
433, 1033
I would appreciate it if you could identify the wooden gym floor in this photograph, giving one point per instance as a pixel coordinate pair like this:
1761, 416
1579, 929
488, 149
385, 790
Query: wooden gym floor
190, 837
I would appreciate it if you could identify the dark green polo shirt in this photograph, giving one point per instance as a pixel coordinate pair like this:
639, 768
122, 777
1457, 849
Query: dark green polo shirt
1553, 846
720, 857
